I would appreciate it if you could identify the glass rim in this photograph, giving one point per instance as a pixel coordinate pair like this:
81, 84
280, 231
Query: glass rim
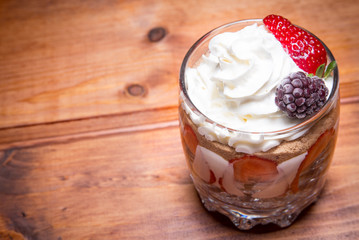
316, 117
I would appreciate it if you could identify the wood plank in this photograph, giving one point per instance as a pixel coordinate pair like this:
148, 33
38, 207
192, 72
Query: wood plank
66, 61
135, 185
89, 142
132, 121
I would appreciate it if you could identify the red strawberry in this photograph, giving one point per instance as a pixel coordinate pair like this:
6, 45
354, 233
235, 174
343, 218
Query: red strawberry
190, 138
252, 168
313, 153
305, 50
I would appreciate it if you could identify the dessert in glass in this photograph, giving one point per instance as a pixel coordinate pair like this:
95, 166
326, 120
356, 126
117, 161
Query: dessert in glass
259, 112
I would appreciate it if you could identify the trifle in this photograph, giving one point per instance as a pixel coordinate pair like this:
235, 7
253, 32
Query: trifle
259, 112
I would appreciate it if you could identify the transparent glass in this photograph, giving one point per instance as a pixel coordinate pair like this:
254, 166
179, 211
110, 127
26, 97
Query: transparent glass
245, 187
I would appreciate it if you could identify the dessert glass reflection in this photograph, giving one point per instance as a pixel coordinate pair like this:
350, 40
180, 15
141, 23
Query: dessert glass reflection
253, 167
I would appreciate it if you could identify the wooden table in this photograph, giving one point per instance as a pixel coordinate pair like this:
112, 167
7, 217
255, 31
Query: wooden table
89, 139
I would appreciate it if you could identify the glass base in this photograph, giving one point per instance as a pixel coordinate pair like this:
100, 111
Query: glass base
247, 212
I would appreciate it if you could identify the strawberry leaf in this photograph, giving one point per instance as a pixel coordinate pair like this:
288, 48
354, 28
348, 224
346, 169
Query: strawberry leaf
320, 71
330, 68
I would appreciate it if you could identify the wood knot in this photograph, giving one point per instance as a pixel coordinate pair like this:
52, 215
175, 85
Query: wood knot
156, 34
136, 90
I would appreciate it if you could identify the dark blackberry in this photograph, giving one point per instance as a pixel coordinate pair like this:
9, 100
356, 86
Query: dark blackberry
300, 96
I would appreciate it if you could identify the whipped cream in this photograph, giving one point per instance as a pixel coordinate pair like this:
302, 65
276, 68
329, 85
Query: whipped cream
234, 86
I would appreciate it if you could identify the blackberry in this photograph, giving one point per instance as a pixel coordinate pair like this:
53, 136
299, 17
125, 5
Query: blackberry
300, 96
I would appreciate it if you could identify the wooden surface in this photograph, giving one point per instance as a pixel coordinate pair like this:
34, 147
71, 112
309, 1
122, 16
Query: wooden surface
89, 139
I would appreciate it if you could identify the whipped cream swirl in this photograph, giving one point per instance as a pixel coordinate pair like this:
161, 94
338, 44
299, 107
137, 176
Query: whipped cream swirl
234, 86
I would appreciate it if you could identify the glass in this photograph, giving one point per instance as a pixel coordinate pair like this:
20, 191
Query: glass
254, 196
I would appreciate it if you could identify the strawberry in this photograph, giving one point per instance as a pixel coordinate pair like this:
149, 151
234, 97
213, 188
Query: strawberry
313, 153
305, 50
251, 168
190, 139
212, 178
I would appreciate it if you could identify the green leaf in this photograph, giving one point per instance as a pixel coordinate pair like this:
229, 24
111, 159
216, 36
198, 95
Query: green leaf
330, 68
320, 70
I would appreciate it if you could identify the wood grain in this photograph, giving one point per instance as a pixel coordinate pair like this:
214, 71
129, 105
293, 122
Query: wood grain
111, 194
62, 61
89, 138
